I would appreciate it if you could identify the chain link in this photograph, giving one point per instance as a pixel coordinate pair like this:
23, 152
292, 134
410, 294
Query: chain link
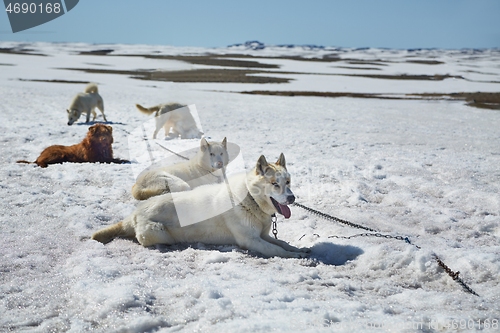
275, 228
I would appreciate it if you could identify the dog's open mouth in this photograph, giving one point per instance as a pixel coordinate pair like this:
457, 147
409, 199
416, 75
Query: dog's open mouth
282, 209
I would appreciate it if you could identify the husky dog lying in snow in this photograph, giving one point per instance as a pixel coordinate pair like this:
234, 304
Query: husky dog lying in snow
175, 117
238, 212
204, 168
86, 102
96, 147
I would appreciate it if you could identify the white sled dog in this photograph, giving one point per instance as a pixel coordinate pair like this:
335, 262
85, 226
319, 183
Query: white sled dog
205, 167
175, 117
245, 222
86, 101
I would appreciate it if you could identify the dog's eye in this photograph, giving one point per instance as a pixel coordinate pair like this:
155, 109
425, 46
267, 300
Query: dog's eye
220, 154
212, 154
288, 182
276, 184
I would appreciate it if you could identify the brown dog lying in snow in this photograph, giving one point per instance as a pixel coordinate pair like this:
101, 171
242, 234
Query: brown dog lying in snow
96, 147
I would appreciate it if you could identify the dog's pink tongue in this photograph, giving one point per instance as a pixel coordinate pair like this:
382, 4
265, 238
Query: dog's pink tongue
285, 211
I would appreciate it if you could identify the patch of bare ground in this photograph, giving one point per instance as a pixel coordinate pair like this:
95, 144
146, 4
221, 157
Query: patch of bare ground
216, 60
365, 62
426, 62
480, 100
56, 81
359, 68
97, 52
435, 77
225, 60
322, 94
209, 60
228, 75
195, 75
97, 64
21, 51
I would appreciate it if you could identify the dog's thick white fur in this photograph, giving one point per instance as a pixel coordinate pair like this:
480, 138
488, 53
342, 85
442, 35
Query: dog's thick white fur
175, 117
205, 167
246, 222
86, 101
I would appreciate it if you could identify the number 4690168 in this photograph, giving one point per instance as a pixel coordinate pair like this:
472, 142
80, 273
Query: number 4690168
33, 8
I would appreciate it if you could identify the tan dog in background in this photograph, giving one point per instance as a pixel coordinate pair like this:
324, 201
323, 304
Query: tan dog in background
86, 102
96, 147
175, 117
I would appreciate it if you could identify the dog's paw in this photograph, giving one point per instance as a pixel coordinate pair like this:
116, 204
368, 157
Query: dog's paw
297, 255
301, 250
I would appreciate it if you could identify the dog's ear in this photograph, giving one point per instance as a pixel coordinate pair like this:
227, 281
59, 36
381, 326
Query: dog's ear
281, 161
204, 144
262, 165
224, 143
92, 129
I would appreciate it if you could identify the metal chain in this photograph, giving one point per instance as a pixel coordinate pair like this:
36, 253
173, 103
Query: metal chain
453, 275
333, 218
275, 229
401, 238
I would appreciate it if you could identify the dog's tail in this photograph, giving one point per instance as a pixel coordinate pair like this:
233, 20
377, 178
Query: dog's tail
107, 234
23, 161
91, 88
143, 194
137, 193
148, 111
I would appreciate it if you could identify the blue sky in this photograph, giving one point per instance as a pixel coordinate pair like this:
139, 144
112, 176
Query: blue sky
450, 24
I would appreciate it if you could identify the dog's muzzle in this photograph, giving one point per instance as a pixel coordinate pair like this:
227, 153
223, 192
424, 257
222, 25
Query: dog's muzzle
217, 164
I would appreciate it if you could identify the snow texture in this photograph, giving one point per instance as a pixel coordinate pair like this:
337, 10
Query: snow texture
426, 170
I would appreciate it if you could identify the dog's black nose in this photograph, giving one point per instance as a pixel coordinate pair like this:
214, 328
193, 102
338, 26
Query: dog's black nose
69, 124
290, 199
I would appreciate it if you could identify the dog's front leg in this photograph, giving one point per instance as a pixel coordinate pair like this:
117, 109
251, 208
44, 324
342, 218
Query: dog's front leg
249, 238
88, 115
284, 244
271, 250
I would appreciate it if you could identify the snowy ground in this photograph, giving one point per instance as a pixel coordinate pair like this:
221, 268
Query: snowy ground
427, 170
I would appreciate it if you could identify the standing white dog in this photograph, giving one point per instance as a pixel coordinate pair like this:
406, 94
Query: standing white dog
205, 167
237, 212
86, 102
175, 117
